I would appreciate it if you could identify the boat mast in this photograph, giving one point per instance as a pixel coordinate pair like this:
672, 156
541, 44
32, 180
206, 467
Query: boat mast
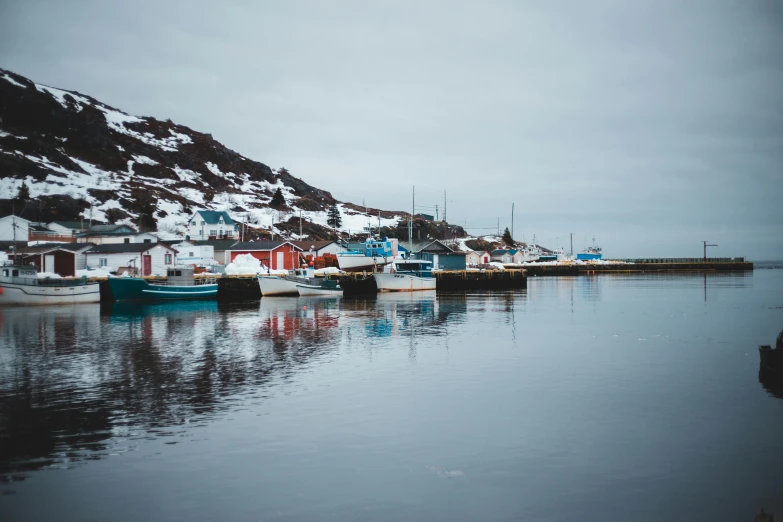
410, 225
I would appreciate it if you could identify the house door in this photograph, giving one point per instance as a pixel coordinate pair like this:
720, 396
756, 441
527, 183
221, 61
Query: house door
434, 260
280, 261
48, 263
147, 263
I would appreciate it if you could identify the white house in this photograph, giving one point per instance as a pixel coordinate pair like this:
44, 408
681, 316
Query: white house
211, 224
7, 226
189, 253
146, 258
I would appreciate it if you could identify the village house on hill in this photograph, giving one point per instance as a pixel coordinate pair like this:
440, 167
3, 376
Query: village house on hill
211, 224
10, 223
113, 234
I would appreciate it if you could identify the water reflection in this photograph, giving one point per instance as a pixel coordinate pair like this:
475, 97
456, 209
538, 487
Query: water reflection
87, 381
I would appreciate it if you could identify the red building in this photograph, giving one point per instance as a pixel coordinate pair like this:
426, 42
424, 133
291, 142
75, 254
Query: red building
277, 255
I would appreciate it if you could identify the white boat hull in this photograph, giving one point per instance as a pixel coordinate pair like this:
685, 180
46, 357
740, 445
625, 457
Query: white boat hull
309, 290
19, 294
272, 285
403, 283
358, 263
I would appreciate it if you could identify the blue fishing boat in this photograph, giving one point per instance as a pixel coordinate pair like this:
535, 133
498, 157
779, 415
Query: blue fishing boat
180, 283
590, 253
371, 254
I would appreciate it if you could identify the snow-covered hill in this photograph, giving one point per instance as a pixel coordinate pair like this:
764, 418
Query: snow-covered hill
123, 168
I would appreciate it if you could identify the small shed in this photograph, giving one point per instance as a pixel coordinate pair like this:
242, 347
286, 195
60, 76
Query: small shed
277, 255
63, 260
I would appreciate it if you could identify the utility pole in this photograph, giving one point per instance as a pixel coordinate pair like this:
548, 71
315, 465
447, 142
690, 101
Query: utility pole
436, 213
413, 211
706, 244
572, 244
512, 221
444, 206
498, 226
300, 224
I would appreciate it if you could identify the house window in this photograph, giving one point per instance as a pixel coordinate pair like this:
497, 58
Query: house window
15, 273
190, 254
127, 240
213, 232
203, 223
168, 259
148, 241
103, 261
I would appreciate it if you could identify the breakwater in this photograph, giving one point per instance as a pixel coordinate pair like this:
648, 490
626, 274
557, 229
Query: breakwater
642, 265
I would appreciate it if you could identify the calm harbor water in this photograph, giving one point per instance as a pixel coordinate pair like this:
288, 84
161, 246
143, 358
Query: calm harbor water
586, 398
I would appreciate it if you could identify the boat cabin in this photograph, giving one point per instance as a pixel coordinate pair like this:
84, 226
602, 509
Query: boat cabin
414, 267
19, 271
181, 276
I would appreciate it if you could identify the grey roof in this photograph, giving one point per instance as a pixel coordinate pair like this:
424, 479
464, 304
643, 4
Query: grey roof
317, 245
431, 245
258, 245
76, 248
118, 248
217, 244
77, 225
108, 229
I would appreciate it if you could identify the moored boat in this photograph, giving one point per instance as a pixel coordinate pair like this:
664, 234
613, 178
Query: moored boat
180, 284
323, 287
20, 285
369, 255
276, 285
590, 253
409, 275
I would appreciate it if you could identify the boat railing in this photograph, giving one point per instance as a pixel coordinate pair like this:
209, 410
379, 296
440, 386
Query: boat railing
49, 281
196, 281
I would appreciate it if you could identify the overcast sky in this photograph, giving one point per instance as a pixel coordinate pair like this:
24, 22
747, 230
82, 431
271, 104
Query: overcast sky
650, 125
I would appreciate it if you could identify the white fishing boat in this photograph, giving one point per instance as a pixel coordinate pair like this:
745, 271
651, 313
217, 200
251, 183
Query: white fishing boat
409, 275
320, 287
20, 285
276, 285
300, 281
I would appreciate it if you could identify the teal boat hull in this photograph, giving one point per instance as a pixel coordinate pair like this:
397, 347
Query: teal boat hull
137, 289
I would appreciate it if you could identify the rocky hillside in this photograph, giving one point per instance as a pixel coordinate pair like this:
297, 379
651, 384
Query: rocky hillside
74, 152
